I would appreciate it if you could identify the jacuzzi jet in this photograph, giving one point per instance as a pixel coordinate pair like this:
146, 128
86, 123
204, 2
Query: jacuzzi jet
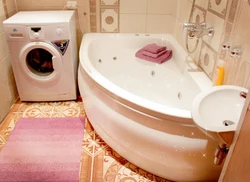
99, 60
179, 95
153, 73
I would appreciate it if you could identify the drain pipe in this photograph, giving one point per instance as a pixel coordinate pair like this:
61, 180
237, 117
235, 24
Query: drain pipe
220, 153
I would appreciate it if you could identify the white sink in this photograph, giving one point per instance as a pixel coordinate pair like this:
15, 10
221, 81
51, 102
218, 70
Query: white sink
216, 111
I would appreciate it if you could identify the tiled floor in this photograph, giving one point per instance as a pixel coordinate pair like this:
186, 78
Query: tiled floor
99, 162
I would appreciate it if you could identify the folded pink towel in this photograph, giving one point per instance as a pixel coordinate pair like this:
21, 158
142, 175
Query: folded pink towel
161, 59
153, 48
146, 53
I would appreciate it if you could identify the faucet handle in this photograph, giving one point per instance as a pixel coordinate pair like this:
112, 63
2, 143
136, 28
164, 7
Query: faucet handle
236, 51
226, 45
189, 26
203, 25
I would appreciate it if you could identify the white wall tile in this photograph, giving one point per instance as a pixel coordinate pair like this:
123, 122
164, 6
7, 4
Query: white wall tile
4, 51
132, 6
218, 23
183, 10
159, 23
179, 33
132, 23
161, 7
242, 35
202, 3
2, 18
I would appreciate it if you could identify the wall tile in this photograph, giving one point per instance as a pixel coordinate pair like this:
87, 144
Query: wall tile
183, 10
132, 23
231, 70
132, 6
218, 7
109, 2
232, 9
243, 74
242, 35
4, 51
160, 7
202, 4
109, 20
214, 21
154, 24
84, 18
207, 59
179, 33
2, 18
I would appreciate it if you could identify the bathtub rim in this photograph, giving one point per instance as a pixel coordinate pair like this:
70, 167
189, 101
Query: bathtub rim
121, 95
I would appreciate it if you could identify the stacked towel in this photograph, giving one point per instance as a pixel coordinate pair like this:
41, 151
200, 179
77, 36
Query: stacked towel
154, 53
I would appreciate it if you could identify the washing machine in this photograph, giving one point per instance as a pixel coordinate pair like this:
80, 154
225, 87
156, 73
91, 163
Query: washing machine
43, 53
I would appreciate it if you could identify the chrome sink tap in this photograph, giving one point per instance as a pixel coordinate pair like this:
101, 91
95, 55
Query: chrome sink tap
198, 30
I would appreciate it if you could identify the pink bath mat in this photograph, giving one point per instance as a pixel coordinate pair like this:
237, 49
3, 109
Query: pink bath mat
43, 149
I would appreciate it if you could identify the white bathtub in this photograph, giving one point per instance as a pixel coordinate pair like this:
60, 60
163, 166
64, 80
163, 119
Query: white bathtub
142, 109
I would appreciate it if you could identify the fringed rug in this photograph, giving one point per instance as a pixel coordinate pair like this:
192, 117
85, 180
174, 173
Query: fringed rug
42, 150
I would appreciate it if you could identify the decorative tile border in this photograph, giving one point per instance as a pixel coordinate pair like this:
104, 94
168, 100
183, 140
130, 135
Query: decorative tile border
104, 16
207, 59
199, 15
218, 7
109, 16
109, 2
232, 10
109, 20
92, 12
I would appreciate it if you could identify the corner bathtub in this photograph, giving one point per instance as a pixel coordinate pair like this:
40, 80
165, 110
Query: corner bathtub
142, 109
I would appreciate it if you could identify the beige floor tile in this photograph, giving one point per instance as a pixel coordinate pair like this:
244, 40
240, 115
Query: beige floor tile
99, 162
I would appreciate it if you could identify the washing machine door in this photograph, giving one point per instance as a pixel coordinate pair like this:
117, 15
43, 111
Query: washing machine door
41, 62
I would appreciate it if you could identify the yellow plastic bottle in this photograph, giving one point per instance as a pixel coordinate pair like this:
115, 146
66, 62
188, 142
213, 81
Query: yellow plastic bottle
219, 75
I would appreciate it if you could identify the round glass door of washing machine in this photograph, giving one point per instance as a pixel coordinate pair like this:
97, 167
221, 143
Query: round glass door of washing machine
41, 62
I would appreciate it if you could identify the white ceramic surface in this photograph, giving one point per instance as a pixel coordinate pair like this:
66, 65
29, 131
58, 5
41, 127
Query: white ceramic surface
140, 115
214, 106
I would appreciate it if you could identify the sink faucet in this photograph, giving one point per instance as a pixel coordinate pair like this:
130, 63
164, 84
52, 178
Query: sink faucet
198, 29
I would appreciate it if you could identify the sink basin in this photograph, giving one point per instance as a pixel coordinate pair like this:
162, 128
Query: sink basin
216, 111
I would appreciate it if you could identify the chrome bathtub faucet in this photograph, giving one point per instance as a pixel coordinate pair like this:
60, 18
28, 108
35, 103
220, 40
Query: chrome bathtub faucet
198, 30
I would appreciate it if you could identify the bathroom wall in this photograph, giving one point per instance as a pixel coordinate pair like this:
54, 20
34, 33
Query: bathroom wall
230, 20
130, 16
8, 91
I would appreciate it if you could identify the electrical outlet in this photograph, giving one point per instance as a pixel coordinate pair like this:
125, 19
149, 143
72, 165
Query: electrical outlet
71, 5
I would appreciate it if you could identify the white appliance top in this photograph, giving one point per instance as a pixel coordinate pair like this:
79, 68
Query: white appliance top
39, 17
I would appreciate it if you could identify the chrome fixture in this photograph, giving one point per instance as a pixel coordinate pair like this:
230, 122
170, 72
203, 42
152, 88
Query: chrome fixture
228, 122
226, 46
236, 51
243, 94
220, 153
198, 30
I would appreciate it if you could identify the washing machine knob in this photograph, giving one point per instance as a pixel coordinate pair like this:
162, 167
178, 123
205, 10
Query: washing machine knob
59, 31
36, 35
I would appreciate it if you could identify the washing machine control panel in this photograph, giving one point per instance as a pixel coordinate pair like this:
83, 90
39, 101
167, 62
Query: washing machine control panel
59, 31
36, 33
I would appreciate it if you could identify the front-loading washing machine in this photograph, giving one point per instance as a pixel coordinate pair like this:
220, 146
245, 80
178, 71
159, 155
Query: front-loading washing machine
43, 53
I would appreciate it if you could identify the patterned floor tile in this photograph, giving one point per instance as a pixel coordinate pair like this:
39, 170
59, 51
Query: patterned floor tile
99, 163
8, 124
111, 167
